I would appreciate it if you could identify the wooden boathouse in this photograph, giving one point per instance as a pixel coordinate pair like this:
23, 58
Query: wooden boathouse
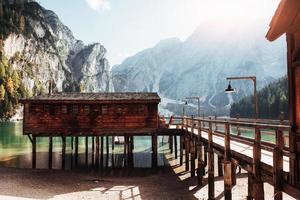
90, 115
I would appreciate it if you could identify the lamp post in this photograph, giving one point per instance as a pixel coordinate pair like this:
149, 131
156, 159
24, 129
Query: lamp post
183, 108
198, 99
252, 78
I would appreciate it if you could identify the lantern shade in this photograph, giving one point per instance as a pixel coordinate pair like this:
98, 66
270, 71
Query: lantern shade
229, 89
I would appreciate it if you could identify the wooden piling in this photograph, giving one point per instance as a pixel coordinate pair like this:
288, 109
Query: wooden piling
171, 144
72, 151
220, 167
192, 150
86, 151
154, 150
278, 165
101, 152
63, 153
33, 152
228, 177
205, 155
107, 151
175, 146
187, 156
200, 167
97, 152
125, 150
181, 149
93, 151
211, 173
76, 151
258, 186
50, 152
113, 151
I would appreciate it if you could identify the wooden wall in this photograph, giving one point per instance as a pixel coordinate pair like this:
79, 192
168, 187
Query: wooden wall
85, 119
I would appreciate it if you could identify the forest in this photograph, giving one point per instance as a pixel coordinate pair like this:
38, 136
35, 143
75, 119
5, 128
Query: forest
272, 100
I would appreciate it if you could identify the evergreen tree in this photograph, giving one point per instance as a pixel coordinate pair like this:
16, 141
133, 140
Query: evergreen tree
2, 92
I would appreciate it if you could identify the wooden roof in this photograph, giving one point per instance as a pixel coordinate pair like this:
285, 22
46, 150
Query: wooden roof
285, 20
96, 97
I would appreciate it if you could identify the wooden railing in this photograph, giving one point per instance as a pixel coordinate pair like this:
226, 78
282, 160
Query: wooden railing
271, 135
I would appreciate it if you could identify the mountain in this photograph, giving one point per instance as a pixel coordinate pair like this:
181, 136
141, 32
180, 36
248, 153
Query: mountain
35, 47
199, 65
273, 99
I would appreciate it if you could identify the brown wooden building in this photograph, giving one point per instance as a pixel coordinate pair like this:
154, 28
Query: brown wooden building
287, 20
91, 114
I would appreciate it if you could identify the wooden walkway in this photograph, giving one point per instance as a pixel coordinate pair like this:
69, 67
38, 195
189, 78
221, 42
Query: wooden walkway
265, 161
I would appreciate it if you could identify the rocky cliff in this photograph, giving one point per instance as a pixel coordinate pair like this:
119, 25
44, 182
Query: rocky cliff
38, 47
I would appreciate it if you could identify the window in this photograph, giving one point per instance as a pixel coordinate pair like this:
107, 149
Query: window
75, 109
64, 109
86, 109
46, 108
141, 109
32, 108
104, 109
119, 109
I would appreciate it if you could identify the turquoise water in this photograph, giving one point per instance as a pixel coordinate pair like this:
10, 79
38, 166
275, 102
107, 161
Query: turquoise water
15, 150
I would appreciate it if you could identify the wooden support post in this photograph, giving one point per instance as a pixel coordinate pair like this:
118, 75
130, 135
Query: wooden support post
228, 177
63, 153
175, 146
205, 155
200, 169
107, 151
131, 151
113, 151
33, 151
181, 149
97, 152
192, 149
86, 151
154, 150
93, 151
171, 144
278, 165
101, 152
250, 186
72, 151
50, 152
125, 150
187, 154
258, 185
76, 151
220, 167
211, 169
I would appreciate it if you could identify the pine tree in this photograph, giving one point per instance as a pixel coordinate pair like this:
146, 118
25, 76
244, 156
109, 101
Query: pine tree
10, 86
16, 80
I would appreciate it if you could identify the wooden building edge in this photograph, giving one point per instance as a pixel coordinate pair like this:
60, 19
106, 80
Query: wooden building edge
83, 114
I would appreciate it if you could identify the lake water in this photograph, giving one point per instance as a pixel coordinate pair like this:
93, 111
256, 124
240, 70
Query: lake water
15, 150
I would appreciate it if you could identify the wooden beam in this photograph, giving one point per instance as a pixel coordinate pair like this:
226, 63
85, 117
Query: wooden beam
200, 168
125, 150
220, 166
171, 144
72, 151
50, 152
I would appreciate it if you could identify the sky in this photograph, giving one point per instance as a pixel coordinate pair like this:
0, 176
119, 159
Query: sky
126, 27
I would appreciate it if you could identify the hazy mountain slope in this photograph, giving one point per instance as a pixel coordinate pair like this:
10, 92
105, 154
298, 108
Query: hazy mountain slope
199, 65
38, 47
